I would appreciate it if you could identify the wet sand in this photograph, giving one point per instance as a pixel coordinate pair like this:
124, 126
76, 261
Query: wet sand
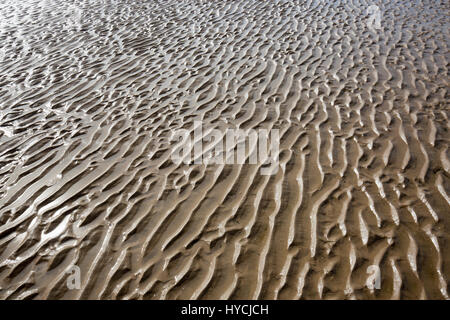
90, 94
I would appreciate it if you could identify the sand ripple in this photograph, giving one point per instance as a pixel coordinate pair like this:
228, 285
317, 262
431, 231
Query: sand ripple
90, 94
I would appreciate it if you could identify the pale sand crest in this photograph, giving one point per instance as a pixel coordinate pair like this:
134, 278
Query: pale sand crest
89, 95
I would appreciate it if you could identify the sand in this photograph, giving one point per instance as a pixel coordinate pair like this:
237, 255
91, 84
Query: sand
91, 91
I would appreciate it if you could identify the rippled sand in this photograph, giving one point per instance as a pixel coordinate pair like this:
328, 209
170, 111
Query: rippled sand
90, 93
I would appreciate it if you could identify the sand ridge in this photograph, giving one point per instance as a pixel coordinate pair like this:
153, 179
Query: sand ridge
91, 93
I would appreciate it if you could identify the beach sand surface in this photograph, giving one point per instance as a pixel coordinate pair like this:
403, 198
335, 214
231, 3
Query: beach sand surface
91, 93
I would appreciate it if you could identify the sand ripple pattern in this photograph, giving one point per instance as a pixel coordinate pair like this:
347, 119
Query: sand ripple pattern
88, 103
